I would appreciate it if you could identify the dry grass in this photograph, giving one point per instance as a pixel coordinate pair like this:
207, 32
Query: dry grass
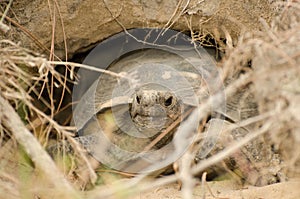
27, 171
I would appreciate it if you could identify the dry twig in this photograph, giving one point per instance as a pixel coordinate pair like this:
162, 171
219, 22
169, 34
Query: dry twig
41, 159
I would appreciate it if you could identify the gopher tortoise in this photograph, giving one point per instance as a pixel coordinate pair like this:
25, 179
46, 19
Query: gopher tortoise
121, 120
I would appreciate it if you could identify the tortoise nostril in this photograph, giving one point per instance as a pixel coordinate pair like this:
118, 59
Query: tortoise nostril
138, 100
168, 101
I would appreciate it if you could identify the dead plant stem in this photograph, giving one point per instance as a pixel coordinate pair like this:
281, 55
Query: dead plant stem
41, 159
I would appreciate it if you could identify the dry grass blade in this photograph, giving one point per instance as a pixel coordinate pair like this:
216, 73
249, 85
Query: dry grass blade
4, 27
20, 65
92, 68
168, 130
185, 175
40, 158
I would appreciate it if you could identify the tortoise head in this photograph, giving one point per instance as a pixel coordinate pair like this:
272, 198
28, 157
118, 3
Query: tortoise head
153, 110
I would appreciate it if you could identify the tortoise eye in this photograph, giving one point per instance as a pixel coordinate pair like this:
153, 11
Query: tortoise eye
138, 99
168, 101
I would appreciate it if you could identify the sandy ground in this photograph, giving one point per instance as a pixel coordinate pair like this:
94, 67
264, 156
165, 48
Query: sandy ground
228, 189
